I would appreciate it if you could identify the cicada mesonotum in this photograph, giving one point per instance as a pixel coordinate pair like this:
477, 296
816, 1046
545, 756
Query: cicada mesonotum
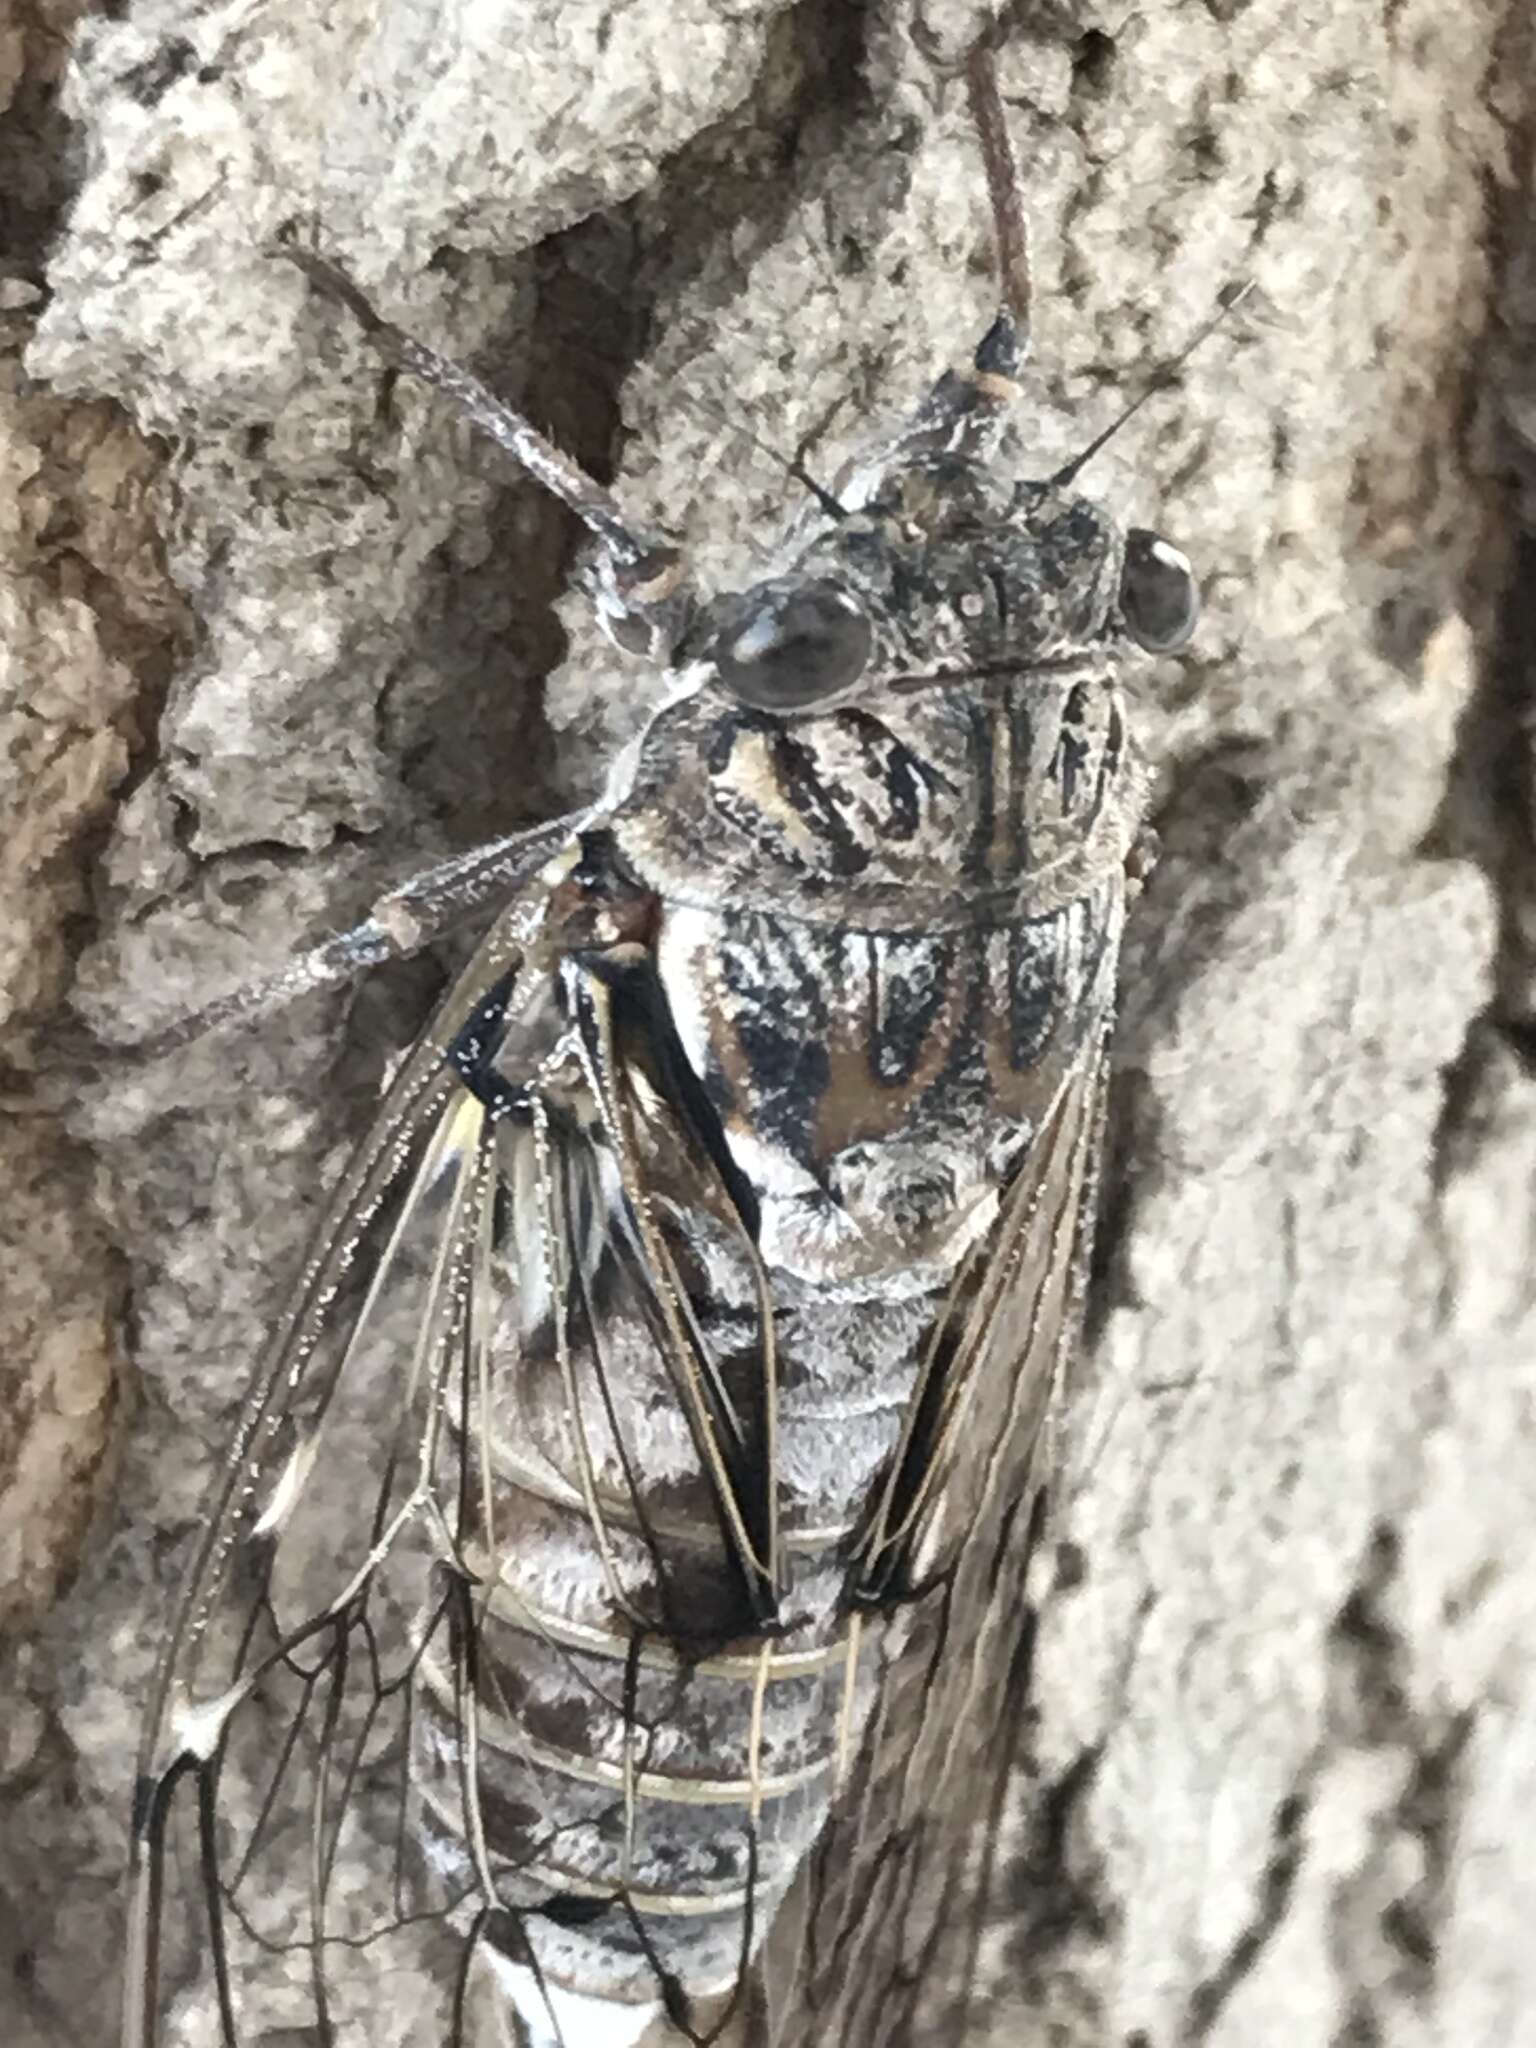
680, 1340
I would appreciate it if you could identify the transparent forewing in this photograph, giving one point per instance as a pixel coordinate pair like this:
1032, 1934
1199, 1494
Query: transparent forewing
327, 1560
451, 1660
879, 1941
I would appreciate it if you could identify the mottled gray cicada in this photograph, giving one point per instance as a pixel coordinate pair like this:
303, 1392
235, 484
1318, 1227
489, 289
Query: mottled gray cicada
683, 1334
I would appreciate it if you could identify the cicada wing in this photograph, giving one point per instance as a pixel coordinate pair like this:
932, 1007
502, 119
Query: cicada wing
272, 1765
495, 1485
293, 1659
877, 1943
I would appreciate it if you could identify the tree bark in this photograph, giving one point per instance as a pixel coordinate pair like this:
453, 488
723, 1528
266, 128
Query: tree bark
279, 632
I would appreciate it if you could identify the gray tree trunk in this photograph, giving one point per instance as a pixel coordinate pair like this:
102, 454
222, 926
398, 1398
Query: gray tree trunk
275, 634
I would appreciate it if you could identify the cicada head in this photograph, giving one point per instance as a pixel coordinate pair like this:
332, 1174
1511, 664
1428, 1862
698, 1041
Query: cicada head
939, 562
925, 701
953, 574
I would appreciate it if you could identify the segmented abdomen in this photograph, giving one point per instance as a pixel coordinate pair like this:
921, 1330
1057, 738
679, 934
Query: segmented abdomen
685, 1766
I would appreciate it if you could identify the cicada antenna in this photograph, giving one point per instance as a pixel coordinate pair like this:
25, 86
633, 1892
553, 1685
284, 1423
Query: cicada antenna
1163, 375
642, 572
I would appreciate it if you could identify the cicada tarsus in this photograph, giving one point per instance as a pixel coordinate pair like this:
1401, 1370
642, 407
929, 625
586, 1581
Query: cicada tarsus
682, 1337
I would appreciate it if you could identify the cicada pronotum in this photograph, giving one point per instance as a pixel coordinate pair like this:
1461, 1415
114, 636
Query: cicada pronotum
683, 1335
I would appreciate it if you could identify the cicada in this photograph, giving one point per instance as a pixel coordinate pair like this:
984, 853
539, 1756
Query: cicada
608, 1600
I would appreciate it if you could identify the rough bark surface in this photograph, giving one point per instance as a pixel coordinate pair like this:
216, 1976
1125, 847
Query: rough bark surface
276, 632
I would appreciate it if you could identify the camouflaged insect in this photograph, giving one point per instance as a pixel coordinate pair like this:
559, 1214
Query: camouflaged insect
684, 1331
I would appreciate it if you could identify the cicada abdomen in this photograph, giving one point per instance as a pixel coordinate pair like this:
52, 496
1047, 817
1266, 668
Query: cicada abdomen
614, 1561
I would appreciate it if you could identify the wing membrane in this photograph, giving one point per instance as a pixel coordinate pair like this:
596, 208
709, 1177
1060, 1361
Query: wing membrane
877, 1944
491, 1466
289, 1684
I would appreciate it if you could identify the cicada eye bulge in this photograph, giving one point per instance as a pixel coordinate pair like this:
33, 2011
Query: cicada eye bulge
1159, 598
793, 647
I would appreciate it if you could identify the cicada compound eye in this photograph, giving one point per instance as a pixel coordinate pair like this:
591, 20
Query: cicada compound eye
1159, 598
792, 646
